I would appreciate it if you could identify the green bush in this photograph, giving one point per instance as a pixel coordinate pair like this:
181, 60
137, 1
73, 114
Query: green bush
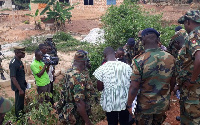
125, 21
30, 47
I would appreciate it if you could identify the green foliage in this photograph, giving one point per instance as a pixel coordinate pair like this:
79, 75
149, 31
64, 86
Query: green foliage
26, 22
125, 21
30, 47
6, 9
21, 4
37, 22
65, 42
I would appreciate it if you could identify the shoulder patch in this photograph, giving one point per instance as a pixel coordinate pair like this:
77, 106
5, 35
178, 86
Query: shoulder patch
13, 61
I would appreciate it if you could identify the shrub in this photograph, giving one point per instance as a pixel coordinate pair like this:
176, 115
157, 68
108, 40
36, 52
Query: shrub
125, 21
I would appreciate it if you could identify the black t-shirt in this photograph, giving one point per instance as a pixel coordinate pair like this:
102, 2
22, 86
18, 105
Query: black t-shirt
17, 70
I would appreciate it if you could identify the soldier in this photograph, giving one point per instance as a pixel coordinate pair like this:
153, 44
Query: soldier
176, 43
1, 68
17, 75
139, 49
5, 106
189, 70
150, 81
74, 106
129, 50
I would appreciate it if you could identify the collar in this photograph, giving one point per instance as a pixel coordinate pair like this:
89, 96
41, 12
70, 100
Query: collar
152, 49
38, 61
193, 31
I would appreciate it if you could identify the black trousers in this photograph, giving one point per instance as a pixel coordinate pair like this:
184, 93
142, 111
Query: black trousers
19, 103
115, 116
51, 91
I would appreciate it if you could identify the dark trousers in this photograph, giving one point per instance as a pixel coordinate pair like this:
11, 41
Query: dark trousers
115, 116
42, 90
19, 103
51, 91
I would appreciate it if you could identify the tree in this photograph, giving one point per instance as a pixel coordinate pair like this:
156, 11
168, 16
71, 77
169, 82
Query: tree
56, 10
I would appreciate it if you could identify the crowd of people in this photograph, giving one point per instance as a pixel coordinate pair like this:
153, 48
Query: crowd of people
135, 81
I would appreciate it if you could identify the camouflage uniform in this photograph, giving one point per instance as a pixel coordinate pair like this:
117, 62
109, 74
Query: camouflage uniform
129, 53
139, 48
5, 106
190, 114
153, 70
76, 87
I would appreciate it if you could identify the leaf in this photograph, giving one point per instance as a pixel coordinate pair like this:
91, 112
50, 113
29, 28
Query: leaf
29, 15
36, 12
45, 9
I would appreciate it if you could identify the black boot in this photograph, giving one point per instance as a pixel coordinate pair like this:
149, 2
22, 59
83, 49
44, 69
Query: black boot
3, 77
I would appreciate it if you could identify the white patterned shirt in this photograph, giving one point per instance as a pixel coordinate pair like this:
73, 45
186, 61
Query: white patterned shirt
115, 76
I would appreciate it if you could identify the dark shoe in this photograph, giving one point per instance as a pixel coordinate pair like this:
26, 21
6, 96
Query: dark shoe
178, 118
3, 77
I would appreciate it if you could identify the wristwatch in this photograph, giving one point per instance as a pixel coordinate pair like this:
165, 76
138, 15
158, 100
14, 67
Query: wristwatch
128, 106
192, 82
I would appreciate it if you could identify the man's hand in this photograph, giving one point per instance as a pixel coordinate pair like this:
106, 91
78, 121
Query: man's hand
21, 92
130, 111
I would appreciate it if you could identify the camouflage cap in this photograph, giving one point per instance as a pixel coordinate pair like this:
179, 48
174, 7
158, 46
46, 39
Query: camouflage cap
193, 15
5, 105
80, 55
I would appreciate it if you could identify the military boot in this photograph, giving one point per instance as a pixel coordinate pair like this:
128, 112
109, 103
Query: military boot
3, 77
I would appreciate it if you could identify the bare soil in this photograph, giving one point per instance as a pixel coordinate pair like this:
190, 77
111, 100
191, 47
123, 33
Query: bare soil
13, 29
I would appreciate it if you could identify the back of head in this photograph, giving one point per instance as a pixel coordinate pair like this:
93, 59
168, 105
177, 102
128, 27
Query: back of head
120, 49
109, 51
37, 51
41, 46
131, 42
150, 36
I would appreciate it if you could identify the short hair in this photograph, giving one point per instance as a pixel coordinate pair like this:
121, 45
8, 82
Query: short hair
37, 51
41, 46
120, 49
108, 51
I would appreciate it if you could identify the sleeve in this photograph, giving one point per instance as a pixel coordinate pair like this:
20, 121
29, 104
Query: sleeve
35, 69
194, 46
98, 73
13, 70
78, 89
136, 76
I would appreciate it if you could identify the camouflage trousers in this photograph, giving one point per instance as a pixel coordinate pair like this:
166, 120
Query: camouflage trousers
150, 119
190, 105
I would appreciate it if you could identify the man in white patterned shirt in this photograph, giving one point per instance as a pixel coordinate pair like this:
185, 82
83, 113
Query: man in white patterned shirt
114, 81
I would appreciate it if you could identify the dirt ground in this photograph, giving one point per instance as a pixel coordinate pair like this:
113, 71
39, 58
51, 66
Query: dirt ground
13, 29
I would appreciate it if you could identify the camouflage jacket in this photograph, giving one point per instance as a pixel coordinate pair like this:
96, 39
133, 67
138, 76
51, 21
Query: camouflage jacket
130, 53
186, 55
76, 87
153, 70
138, 49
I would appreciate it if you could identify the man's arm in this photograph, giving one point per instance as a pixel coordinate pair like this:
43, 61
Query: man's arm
82, 111
133, 90
42, 71
14, 80
100, 85
196, 70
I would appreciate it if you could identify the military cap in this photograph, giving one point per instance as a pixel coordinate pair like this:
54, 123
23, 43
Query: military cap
5, 105
178, 28
131, 42
80, 55
21, 48
193, 15
150, 31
